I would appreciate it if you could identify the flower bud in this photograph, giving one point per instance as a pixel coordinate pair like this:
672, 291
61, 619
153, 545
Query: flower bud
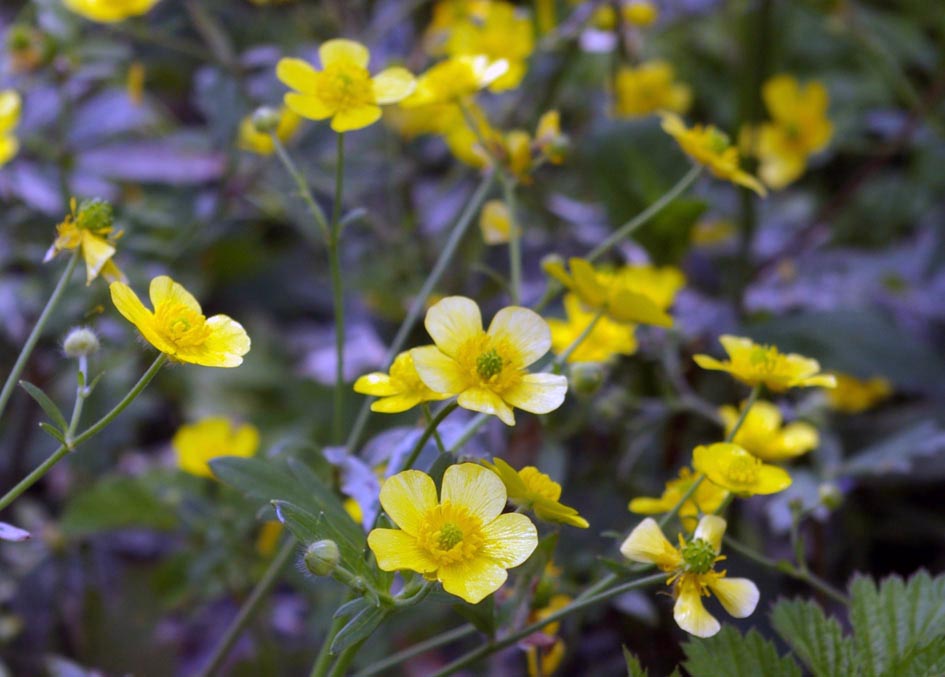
95, 215
586, 378
80, 342
322, 557
266, 120
830, 495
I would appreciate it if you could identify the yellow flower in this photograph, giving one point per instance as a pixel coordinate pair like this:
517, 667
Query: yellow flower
109, 11
693, 574
640, 13
487, 369
196, 444
10, 105
254, 141
762, 435
630, 294
463, 540
711, 147
650, 88
551, 659
400, 390
707, 499
733, 468
549, 138
454, 79
851, 396
268, 538
531, 489
495, 223
754, 364
89, 228
344, 90
799, 128
607, 338
178, 328
712, 232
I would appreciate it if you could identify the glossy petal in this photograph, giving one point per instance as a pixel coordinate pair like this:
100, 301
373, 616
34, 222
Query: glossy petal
586, 284
341, 51
355, 118
524, 330
476, 488
9, 147
96, 251
711, 529
406, 497
739, 596
376, 383
438, 371
538, 393
131, 308
486, 402
510, 539
164, 290
395, 549
297, 74
646, 543
392, 85
307, 106
690, 614
451, 322
473, 580
396, 403
626, 306
224, 347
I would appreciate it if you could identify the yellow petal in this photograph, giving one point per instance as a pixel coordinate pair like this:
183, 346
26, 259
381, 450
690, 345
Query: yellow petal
798, 438
9, 147
626, 306
355, 118
376, 383
538, 393
556, 270
486, 402
649, 506
245, 441
711, 529
473, 580
524, 330
586, 284
438, 371
510, 539
646, 543
406, 497
224, 347
451, 322
396, 403
392, 85
476, 488
395, 549
131, 308
297, 74
307, 106
164, 290
690, 614
780, 95
552, 511
738, 596
343, 52
96, 251
514, 485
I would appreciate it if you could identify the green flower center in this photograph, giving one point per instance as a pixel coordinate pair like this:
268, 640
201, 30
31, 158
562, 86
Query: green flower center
345, 86
716, 140
448, 536
181, 325
95, 216
489, 364
743, 471
699, 556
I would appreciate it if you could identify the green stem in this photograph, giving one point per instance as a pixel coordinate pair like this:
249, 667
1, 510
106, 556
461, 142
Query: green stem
323, 659
430, 429
63, 450
344, 660
515, 242
334, 245
428, 417
31, 340
563, 357
249, 607
304, 191
81, 394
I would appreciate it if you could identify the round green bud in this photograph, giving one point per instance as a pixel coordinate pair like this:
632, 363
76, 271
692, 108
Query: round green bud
830, 495
266, 120
586, 378
80, 342
95, 215
322, 557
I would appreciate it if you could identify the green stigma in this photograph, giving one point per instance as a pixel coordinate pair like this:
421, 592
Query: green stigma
489, 364
449, 536
699, 556
95, 215
718, 140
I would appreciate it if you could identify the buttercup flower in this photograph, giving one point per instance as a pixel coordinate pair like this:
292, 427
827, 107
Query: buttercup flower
650, 88
454, 79
90, 229
711, 147
762, 435
640, 13
462, 540
178, 328
606, 340
707, 498
852, 395
10, 105
693, 575
754, 364
487, 369
399, 390
252, 140
344, 90
495, 222
196, 444
110, 11
532, 489
731, 467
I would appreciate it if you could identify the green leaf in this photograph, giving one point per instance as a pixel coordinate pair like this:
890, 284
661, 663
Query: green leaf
817, 640
360, 627
729, 653
929, 661
53, 432
116, 503
481, 615
42, 399
634, 669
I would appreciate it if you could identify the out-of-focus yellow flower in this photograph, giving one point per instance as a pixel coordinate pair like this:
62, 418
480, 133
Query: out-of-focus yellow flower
551, 659
454, 79
693, 575
268, 538
515, 150
733, 468
10, 106
799, 128
495, 222
712, 232
533, 490
755, 364
650, 88
134, 82
711, 147
640, 13
252, 140
353, 508
344, 89
852, 396
550, 140
487, 369
399, 390
109, 11
606, 340
196, 444
178, 328
462, 540
639, 294
90, 229
707, 498
762, 434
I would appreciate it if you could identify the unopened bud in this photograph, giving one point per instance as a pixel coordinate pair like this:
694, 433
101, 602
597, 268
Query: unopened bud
586, 378
322, 557
266, 120
830, 495
80, 342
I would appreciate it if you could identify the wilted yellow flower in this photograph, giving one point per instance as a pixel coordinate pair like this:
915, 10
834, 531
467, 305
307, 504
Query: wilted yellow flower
487, 369
344, 90
707, 498
454, 79
196, 444
606, 340
711, 147
178, 328
252, 140
851, 396
733, 468
533, 490
650, 88
399, 390
550, 659
463, 540
799, 128
90, 229
109, 11
693, 574
495, 222
762, 434
755, 364
640, 13
10, 106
